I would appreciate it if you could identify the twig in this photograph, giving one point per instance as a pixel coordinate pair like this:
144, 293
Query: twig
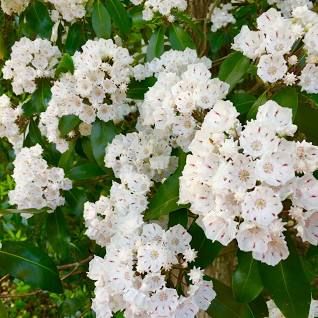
4, 278
22, 295
77, 264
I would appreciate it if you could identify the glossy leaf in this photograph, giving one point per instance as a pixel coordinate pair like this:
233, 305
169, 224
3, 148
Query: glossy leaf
85, 171
101, 21
287, 97
288, 285
102, 134
38, 19
67, 159
65, 65
76, 37
30, 264
75, 199
225, 306
254, 109
39, 100
165, 199
206, 249
119, 15
179, 38
156, 44
243, 102
259, 307
68, 123
178, 217
246, 281
233, 69
138, 89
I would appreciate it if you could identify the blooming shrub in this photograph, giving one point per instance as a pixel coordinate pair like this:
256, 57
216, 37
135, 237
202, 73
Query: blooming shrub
158, 164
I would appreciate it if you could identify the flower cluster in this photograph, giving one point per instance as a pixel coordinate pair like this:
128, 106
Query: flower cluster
287, 6
29, 61
37, 185
96, 89
170, 105
132, 276
163, 7
14, 6
8, 122
273, 44
222, 16
244, 182
70, 10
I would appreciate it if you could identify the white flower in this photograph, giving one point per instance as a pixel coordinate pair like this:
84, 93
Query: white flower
257, 139
309, 79
196, 275
306, 157
305, 192
271, 67
14, 6
178, 239
164, 302
293, 60
203, 294
190, 255
261, 206
186, 308
221, 17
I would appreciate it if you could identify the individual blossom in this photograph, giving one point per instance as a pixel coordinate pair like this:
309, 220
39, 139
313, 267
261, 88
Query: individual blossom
271, 68
29, 61
221, 17
309, 79
14, 6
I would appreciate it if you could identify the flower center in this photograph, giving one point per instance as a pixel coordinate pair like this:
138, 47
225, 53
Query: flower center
154, 254
260, 203
256, 145
268, 168
244, 175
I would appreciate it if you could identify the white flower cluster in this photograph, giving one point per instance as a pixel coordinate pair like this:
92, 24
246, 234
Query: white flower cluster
14, 6
170, 104
273, 42
132, 276
171, 61
70, 10
274, 312
222, 16
96, 89
37, 185
163, 7
237, 178
8, 125
29, 61
287, 6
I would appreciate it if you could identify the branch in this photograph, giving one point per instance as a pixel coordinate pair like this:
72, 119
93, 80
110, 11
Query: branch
77, 264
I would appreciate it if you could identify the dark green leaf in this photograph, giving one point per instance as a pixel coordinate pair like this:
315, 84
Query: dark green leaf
26, 211
101, 20
34, 135
76, 37
85, 171
39, 100
165, 199
102, 134
75, 199
67, 159
206, 249
156, 44
233, 69
138, 89
287, 97
38, 19
225, 306
288, 285
119, 15
246, 281
242, 102
259, 307
66, 65
68, 123
178, 217
179, 38
3, 310
254, 109
30, 264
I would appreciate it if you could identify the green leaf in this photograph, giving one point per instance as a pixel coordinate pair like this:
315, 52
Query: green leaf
259, 307
66, 65
287, 97
206, 249
101, 20
138, 89
246, 281
39, 100
225, 306
179, 38
242, 102
119, 15
57, 234
156, 44
67, 159
3, 310
76, 37
102, 134
27, 211
178, 217
75, 199
233, 69
288, 285
166, 198
262, 99
85, 171
67, 123
38, 19
27, 262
